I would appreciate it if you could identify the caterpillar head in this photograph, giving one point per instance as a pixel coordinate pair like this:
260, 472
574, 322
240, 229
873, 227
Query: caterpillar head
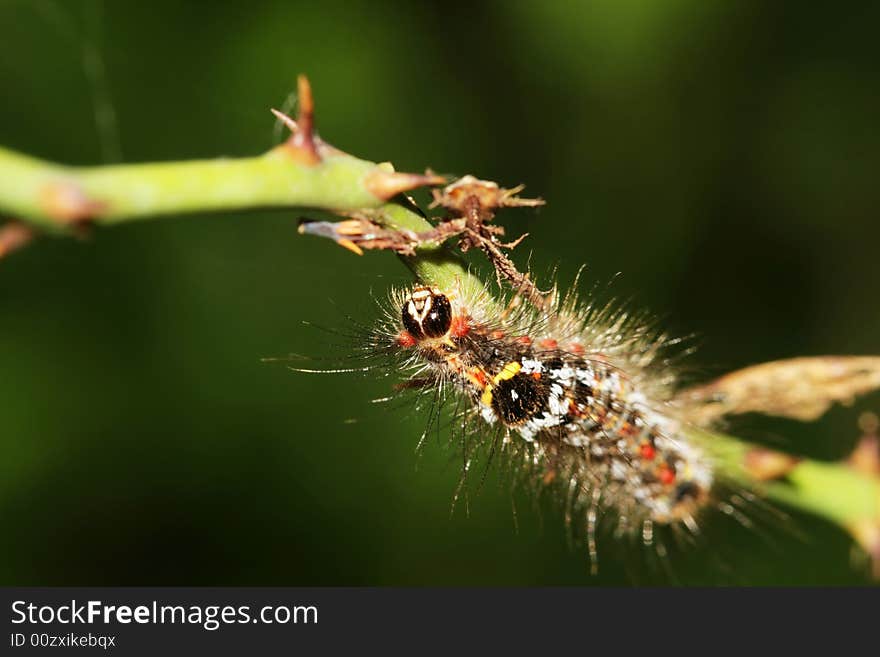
426, 313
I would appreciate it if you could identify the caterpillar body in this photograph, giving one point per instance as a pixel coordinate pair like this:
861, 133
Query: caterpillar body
580, 395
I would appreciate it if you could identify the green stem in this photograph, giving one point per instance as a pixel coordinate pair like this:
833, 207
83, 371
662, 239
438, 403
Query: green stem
125, 192
832, 490
435, 264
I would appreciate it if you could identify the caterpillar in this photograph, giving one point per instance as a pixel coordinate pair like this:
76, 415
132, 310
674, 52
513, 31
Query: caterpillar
578, 395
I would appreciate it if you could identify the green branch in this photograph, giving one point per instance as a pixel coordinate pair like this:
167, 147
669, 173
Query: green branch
51, 196
836, 491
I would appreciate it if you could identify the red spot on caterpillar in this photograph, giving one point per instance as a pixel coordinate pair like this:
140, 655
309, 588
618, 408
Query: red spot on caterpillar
548, 343
496, 335
478, 376
667, 476
459, 327
524, 339
536, 376
627, 429
648, 452
576, 348
406, 340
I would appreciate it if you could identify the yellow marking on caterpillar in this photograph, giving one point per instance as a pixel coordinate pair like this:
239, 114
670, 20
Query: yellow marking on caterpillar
507, 372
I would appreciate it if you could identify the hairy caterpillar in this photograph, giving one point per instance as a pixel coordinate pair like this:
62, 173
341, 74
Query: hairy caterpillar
578, 396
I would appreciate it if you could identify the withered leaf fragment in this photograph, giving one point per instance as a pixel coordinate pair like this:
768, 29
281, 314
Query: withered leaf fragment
798, 388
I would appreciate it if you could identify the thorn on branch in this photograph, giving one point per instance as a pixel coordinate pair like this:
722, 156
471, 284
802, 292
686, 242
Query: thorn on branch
303, 143
767, 464
386, 184
14, 235
68, 204
865, 459
286, 120
305, 147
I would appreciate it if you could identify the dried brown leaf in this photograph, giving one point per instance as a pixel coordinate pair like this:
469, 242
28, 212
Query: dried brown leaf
799, 388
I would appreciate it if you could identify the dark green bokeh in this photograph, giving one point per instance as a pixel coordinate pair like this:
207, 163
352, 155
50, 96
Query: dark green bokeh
722, 155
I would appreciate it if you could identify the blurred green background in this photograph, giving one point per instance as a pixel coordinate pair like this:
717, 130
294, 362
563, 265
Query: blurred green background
722, 156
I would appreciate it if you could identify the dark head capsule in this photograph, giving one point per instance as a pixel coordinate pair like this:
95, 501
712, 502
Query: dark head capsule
427, 313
